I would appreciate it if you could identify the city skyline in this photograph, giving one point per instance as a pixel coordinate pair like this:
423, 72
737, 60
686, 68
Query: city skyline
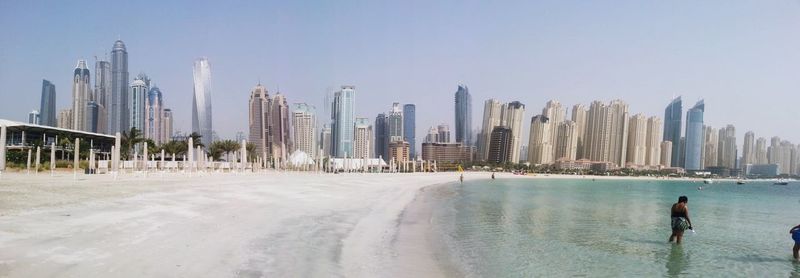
645, 94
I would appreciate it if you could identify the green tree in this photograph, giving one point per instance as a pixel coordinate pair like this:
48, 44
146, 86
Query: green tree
216, 149
175, 147
129, 139
196, 140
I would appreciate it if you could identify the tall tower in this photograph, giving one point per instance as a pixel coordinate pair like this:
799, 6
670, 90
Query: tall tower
118, 114
410, 126
655, 129
258, 119
304, 126
166, 125
540, 149
362, 141
761, 151
556, 114
618, 132
694, 137
47, 108
491, 119
80, 95
672, 129
580, 117
512, 115
137, 98
395, 123
444, 133
279, 127
344, 121
463, 108
381, 136
201, 100
566, 147
710, 148
102, 93
154, 111
637, 140
727, 147
597, 135
749, 149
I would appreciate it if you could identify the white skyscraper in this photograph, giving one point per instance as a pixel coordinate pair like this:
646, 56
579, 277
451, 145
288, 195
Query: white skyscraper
556, 114
362, 139
637, 140
80, 95
258, 120
761, 151
540, 149
512, 116
710, 147
618, 132
749, 149
201, 100
597, 132
304, 124
567, 141
154, 112
655, 129
137, 98
580, 117
491, 118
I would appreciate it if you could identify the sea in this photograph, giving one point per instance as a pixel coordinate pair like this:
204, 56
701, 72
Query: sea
581, 227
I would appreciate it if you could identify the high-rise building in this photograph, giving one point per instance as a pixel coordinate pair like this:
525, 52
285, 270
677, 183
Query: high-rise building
491, 119
92, 116
726, 148
326, 140
761, 151
666, 153
398, 151
80, 95
65, 118
166, 125
637, 140
500, 145
446, 152
749, 149
34, 117
432, 136
512, 115
463, 109
279, 129
409, 127
597, 132
304, 127
201, 100
783, 154
258, 120
395, 123
540, 149
154, 111
47, 107
137, 98
618, 132
710, 152
672, 128
567, 141
363, 139
444, 133
344, 121
556, 114
118, 112
654, 136
694, 137
102, 93
381, 136
580, 117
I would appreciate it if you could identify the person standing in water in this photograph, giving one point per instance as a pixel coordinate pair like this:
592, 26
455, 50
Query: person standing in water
461, 178
795, 232
492, 175
680, 219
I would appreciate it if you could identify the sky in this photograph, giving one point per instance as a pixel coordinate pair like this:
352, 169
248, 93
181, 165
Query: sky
742, 57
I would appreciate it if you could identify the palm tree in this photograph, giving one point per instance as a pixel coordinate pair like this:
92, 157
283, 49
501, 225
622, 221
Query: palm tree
196, 140
128, 140
216, 149
175, 147
251, 151
230, 146
152, 147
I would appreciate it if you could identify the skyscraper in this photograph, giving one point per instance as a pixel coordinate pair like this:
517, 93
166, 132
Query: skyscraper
444, 133
409, 127
432, 136
304, 126
34, 117
463, 109
749, 149
491, 118
580, 117
761, 151
279, 127
166, 125
567, 141
512, 117
637, 140
727, 147
597, 132
694, 137
258, 120
540, 149
344, 121
672, 128
654, 134
710, 148
92, 116
500, 145
381, 136
80, 95
556, 114
47, 106
326, 140
65, 118
395, 123
137, 98
362, 141
154, 110
666, 153
618, 132
201, 100
118, 113
102, 93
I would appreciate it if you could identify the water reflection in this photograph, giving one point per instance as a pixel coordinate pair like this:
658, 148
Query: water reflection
677, 262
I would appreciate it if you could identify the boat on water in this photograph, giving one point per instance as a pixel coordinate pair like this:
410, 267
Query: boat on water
781, 182
708, 181
740, 181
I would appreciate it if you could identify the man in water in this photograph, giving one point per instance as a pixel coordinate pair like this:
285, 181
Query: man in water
680, 219
461, 178
492, 175
795, 232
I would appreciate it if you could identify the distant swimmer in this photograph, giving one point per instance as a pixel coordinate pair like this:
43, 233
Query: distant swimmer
796, 237
461, 178
492, 175
680, 219
699, 188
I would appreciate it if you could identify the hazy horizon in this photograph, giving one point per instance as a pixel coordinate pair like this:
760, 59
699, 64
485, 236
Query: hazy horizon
741, 58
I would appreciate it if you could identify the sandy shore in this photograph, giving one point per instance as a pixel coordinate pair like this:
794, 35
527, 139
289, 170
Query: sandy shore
253, 225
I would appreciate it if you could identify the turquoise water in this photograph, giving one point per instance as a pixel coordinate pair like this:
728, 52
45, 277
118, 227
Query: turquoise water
613, 228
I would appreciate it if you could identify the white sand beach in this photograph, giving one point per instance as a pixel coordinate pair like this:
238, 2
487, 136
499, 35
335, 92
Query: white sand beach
221, 225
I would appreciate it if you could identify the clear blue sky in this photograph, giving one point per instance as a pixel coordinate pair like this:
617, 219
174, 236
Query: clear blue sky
743, 57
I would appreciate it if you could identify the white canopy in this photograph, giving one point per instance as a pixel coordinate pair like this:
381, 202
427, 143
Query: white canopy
300, 158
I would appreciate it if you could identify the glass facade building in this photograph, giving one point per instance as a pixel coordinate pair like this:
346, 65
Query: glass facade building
343, 121
672, 129
409, 127
694, 137
118, 113
47, 107
463, 109
201, 100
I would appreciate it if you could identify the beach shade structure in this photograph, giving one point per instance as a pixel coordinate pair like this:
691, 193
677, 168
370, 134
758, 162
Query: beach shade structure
116, 156
38, 158
76, 160
2, 148
28, 167
52, 158
190, 153
91, 159
162, 159
243, 154
144, 158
